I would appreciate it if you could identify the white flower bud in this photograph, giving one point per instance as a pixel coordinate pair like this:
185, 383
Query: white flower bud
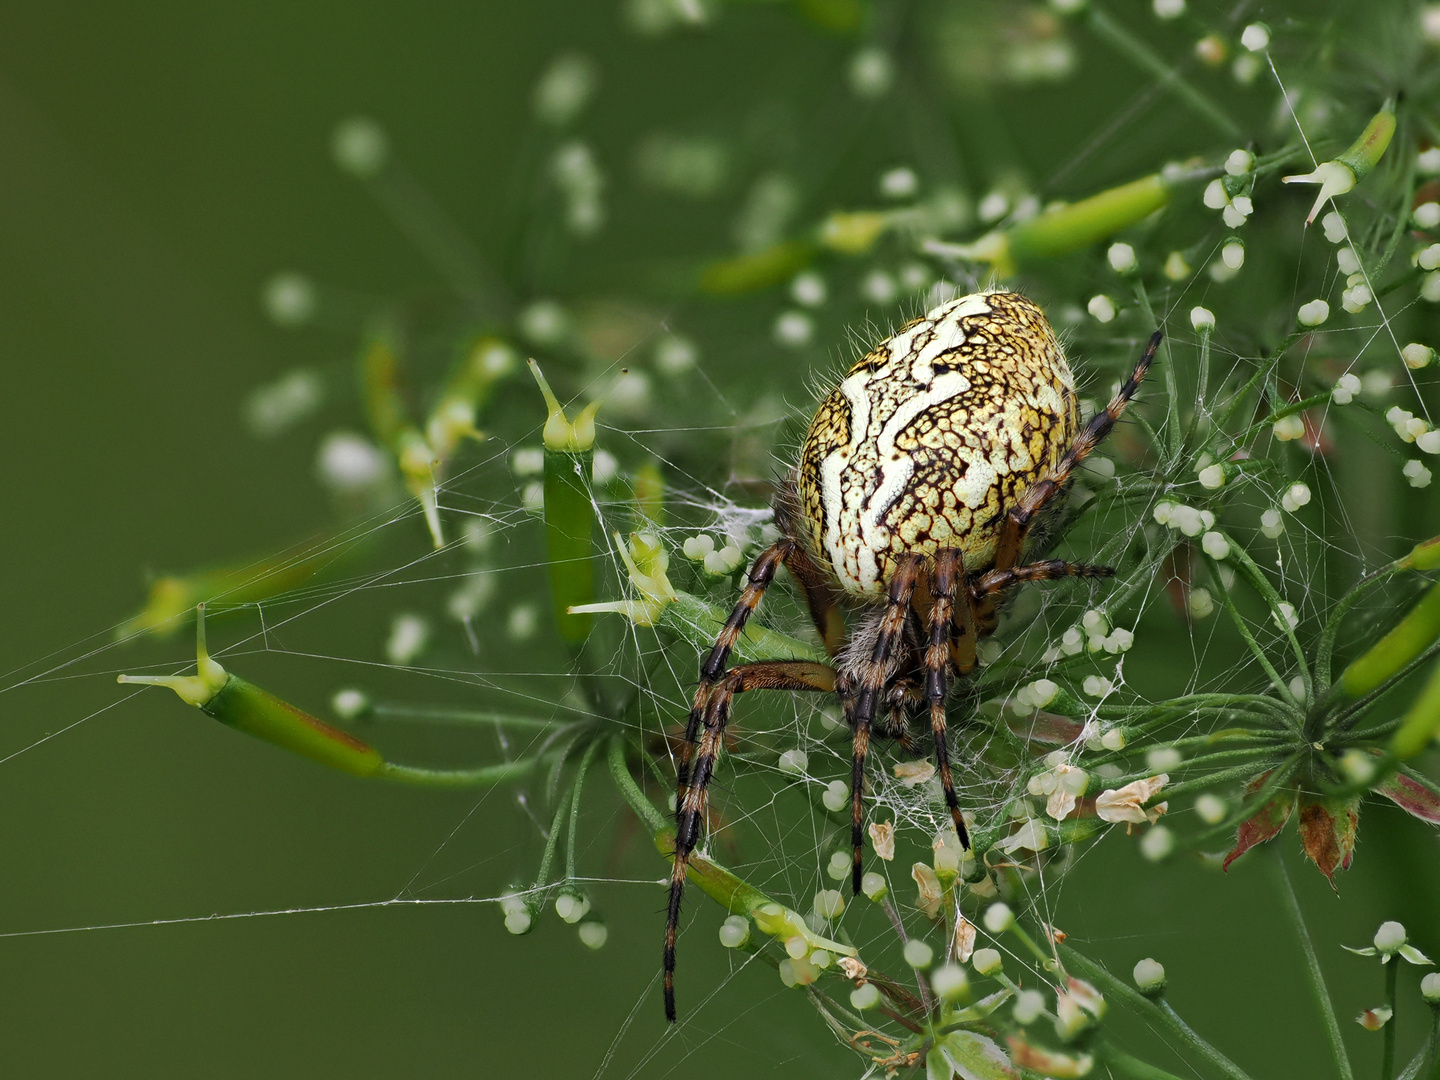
1215, 197
1239, 162
865, 997
1416, 474
1029, 1006
1176, 268
1233, 254
1211, 808
837, 794
1168, 9
360, 146
1256, 37
794, 762
1430, 288
1345, 389
1122, 258
1297, 496
1417, 356
1163, 759
1427, 215
1157, 844
1430, 988
1201, 604
809, 289
838, 868
698, 547
1334, 225
1202, 319
1212, 477
1149, 977
1097, 686
986, 961
1272, 524
874, 886
794, 329
1427, 162
1102, 308
593, 935
829, 903
1313, 314
918, 954
350, 703
949, 981
1389, 937
1215, 545
998, 918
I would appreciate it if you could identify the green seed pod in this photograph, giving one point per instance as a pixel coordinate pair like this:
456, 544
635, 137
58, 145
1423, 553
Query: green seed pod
1421, 722
245, 707
569, 512
1407, 640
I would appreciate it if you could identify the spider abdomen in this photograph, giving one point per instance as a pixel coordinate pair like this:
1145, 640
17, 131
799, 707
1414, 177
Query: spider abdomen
932, 437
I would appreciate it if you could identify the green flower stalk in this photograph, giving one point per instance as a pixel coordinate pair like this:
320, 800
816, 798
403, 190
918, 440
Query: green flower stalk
1340, 175
246, 707
569, 511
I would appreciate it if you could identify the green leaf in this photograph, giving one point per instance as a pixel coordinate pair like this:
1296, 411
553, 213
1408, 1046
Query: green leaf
975, 1057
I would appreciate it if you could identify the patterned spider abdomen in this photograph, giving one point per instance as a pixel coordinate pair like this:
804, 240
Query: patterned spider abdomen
932, 438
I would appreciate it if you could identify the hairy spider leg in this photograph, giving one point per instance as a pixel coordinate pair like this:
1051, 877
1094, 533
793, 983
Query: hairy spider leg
770, 675
949, 564
993, 582
1017, 522
762, 573
872, 681
823, 610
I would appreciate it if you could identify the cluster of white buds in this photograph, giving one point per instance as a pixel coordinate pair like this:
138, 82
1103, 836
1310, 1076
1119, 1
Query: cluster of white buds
1234, 208
518, 918
1413, 429
717, 562
1094, 635
1186, 519
1296, 496
578, 175
1345, 389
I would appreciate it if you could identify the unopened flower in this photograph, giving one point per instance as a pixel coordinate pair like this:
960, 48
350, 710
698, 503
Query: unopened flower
1390, 941
1202, 319
1102, 308
1122, 258
1149, 976
1256, 37
1375, 1019
1417, 356
986, 961
1345, 389
1313, 314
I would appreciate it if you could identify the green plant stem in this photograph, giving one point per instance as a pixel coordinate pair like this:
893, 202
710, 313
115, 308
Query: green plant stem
1245, 634
542, 878
1158, 1013
462, 716
1425, 1054
1122, 1064
1261, 584
1144, 57
1312, 968
486, 776
1387, 1050
585, 762
620, 773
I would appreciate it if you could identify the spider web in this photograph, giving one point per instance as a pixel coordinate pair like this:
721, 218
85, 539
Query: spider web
769, 824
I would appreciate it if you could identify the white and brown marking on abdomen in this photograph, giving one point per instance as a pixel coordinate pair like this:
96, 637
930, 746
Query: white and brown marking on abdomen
933, 436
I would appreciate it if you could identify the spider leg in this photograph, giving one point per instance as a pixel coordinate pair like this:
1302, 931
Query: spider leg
872, 678
949, 565
771, 675
993, 582
1017, 522
762, 573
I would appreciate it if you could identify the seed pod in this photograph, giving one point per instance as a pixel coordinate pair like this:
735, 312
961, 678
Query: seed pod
569, 511
1407, 640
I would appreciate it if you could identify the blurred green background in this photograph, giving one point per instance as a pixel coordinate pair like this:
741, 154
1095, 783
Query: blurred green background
157, 164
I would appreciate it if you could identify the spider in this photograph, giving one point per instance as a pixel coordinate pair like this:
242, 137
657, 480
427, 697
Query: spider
916, 487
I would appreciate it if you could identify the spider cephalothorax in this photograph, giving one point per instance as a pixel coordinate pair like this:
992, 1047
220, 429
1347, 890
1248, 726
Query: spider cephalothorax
916, 487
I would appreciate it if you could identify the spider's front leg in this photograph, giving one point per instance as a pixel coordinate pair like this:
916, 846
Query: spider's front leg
871, 679
772, 675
